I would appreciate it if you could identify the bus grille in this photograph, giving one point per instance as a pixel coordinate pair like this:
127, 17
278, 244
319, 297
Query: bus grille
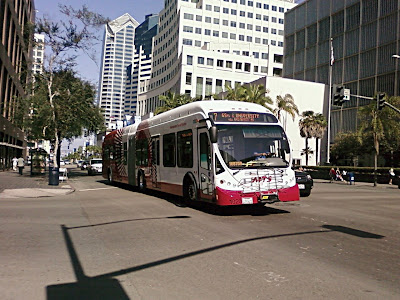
262, 180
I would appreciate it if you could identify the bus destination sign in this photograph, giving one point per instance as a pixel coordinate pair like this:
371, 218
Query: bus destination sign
235, 116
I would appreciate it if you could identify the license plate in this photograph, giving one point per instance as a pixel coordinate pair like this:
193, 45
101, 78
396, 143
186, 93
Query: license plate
247, 200
302, 186
265, 197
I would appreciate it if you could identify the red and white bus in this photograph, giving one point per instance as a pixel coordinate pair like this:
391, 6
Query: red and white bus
222, 152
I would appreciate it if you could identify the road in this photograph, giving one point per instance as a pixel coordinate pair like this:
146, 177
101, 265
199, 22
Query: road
342, 242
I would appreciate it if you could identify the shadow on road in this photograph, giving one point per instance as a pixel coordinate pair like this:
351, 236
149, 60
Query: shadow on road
209, 208
354, 232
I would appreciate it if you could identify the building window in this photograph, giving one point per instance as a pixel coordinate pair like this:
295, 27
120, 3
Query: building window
220, 63
199, 86
208, 7
228, 64
210, 62
189, 60
216, 8
238, 66
207, 32
188, 16
200, 60
188, 78
208, 20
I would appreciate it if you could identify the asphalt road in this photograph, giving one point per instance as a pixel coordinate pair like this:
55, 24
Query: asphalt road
342, 242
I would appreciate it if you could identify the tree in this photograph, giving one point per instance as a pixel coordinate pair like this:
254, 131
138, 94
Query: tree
306, 126
380, 126
236, 93
347, 145
172, 100
256, 93
62, 41
320, 124
285, 104
71, 109
94, 150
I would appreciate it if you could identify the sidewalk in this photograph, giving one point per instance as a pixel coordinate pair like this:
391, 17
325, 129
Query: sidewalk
13, 185
363, 184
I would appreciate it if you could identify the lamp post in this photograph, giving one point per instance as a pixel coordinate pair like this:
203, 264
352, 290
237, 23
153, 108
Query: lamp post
396, 56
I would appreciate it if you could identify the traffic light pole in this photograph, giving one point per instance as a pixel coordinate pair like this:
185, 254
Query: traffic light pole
371, 98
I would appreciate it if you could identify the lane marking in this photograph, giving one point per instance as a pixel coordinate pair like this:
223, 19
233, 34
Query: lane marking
96, 189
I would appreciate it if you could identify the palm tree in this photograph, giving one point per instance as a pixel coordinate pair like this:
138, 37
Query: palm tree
306, 126
256, 93
236, 93
320, 124
285, 104
172, 100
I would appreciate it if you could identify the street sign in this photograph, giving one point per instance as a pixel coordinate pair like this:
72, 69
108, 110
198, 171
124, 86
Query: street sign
346, 94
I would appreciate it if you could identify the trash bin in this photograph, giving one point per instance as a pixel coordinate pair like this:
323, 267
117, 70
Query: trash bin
54, 174
351, 178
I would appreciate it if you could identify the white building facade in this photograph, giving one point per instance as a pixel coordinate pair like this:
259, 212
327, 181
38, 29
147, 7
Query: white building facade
204, 45
117, 54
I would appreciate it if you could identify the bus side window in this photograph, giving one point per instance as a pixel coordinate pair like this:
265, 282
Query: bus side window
204, 151
185, 149
169, 150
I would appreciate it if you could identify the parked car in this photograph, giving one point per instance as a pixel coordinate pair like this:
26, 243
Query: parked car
95, 166
79, 163
84, 164
305, 183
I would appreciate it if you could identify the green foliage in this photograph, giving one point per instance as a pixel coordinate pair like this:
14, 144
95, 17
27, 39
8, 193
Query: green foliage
62, 104
73, 108
172, 100
312, 126
249, 93
347, 145
286, 104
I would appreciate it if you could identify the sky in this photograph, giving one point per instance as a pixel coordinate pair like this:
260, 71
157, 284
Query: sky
111, 9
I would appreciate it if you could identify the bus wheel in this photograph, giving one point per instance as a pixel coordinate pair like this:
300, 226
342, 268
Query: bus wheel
190, 192
141, 182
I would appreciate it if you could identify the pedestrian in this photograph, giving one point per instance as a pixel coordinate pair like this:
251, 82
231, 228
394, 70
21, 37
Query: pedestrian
14, 163
332, 174
20, 165
339, 175
344, 175
392, 175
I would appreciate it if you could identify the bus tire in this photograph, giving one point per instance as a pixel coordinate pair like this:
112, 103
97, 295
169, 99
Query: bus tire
189, 189
141, 181
110, 177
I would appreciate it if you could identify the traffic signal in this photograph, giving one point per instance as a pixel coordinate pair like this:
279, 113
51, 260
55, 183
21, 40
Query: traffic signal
338, 95
380, 100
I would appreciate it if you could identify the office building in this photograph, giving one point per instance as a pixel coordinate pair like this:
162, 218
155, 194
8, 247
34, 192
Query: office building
139, 72
38, 54
15, 57
117, 54
204, 45
365, 35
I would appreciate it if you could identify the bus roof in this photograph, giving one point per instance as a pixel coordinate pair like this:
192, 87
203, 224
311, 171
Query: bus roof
203, 107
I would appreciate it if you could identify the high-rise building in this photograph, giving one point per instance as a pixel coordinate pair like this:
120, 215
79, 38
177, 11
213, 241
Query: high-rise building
15, 57
117, 54
365, 35
38, 54
139, 72
204, 45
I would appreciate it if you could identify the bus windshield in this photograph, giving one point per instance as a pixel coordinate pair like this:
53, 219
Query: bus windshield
253, 146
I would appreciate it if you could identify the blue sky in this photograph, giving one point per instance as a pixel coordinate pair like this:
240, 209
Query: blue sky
111, 9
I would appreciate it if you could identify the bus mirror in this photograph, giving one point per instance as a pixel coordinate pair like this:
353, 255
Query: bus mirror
213, 134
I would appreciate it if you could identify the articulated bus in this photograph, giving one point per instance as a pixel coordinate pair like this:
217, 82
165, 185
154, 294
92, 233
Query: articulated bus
222, 152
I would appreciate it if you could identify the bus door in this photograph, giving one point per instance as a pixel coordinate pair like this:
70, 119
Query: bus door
204, 158
131, 161
155, 161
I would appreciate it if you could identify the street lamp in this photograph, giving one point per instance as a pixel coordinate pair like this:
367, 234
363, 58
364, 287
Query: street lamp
396, 56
